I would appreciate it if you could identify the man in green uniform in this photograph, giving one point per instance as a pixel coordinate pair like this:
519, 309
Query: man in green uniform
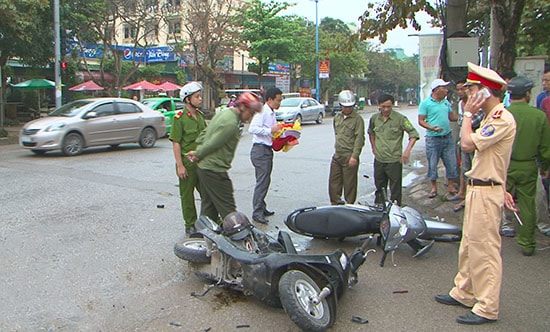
187, 125
386, 131
479, 278
215, 151
349, 131
532, 143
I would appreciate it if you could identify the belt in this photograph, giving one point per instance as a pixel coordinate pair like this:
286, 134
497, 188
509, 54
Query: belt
264, 145
476, 182
442, 136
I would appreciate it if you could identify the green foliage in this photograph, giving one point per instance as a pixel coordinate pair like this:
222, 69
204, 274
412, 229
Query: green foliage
390, 15
533, 35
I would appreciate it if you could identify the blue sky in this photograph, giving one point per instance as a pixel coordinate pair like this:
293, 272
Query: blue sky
349, 10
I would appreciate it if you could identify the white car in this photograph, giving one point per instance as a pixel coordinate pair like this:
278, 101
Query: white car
92, 122
300, 109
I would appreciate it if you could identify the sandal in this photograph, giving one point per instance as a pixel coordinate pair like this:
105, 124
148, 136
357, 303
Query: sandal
459, 206
454, 197
432, 194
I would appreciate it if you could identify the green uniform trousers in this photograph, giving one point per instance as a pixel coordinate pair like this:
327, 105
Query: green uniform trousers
187, 194
384, 173
217, 199
522, 183
342, 177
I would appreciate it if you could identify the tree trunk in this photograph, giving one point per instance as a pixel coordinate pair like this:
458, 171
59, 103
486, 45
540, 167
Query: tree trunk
507, 19
456, 16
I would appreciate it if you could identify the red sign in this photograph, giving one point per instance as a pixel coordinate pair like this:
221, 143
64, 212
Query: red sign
324, 68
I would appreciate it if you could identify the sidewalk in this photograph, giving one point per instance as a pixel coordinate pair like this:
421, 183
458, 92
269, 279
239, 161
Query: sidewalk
13, 135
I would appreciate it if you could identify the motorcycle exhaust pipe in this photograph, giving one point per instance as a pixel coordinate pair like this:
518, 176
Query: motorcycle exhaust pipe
321, 296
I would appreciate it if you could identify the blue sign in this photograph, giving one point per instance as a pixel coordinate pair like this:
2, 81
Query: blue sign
279, 68
147, 55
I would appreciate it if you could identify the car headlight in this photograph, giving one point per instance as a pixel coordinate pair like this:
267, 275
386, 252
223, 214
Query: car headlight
55, 127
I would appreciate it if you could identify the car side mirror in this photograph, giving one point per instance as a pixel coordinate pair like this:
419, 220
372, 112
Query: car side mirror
90, 115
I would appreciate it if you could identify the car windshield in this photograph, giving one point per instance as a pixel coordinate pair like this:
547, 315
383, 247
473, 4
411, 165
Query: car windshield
71, 109
150, 102
291, 102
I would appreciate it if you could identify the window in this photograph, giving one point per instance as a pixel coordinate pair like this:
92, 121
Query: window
127, 108
104, 110
174, 27
129, 32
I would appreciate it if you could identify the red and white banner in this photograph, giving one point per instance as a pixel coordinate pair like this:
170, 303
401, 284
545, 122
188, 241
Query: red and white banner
430, 47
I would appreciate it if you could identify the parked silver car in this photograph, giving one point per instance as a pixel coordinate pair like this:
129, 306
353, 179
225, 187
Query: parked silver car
300, 108
92, 122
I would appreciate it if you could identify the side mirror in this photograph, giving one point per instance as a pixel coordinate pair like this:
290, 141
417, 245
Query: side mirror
90, 115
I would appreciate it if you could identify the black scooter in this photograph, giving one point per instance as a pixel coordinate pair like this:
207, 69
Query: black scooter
341, 221
246, 259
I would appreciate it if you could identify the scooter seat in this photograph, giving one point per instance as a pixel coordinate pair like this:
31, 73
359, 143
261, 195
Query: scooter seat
335, 221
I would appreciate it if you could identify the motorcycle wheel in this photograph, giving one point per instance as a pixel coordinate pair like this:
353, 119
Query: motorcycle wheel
192, 250
296, 289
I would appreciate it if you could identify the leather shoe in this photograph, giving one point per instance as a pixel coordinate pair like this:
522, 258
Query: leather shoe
268, 213
472, 319
191, 231
448, 300
261, 220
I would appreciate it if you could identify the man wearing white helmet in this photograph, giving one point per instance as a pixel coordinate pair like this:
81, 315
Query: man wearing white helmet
349, 131
186, 127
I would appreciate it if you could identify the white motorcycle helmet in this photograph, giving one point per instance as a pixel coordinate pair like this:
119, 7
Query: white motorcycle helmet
188, 89
346, 98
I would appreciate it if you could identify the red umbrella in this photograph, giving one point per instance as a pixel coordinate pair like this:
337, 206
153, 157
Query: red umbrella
86, 86
143, 85
169, 86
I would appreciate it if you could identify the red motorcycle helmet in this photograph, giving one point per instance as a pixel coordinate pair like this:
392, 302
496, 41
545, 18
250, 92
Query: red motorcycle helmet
250, 100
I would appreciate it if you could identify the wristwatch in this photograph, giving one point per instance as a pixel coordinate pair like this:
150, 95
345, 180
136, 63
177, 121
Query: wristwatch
468, 114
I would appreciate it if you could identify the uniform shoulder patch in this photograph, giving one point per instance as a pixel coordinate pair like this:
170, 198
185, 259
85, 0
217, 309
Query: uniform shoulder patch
497, 114
178, 115
407, 123
487, 131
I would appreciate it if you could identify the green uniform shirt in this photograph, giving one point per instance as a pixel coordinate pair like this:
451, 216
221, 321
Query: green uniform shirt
186, 130
217, 144
349, 134
532, 134
389, 134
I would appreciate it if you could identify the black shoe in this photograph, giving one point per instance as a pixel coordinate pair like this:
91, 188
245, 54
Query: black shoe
191, 231
472, 319
268, 213
528, 252
261, 220
448, 300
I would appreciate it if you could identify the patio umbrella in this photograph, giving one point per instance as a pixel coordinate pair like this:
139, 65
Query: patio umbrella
86, 86
142, 87
169, 86
35, 83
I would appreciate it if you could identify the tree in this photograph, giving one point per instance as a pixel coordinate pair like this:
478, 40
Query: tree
533, 38
268, 36
211, 34
506, 17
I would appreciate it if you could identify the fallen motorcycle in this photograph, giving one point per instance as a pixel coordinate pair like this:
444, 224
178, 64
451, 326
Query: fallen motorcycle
238, 256
341, 221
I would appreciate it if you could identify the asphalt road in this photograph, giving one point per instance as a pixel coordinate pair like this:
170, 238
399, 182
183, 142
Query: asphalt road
86, 245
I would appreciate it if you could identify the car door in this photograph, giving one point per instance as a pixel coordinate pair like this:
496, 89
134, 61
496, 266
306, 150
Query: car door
306, 110
129, 121
100, 125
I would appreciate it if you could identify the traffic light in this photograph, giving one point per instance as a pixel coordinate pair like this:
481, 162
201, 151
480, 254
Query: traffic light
63, 66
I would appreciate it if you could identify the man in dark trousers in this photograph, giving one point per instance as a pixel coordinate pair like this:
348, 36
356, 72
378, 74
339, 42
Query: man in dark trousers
386, 131
262, 127
215, 151
532, 142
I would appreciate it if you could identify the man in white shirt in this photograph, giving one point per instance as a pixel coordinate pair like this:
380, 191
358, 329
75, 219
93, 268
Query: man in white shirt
262, 126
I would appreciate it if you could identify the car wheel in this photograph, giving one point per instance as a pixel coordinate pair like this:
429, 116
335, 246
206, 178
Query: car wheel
39, 152
73, 144
299, 118
319, 118
147, 138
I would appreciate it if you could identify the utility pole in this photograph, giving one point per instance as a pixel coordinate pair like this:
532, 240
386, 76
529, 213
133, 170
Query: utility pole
57, 53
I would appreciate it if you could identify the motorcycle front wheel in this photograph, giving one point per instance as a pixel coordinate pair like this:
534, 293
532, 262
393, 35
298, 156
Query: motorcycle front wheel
296, 289
192, 250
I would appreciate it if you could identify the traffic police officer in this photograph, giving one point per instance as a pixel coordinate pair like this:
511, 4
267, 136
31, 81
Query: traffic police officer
532, 142
188, 123
478, 281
